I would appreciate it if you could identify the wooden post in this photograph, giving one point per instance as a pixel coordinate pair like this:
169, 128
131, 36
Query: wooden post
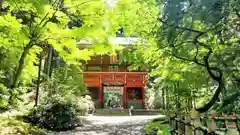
172, 124
196, 121
232, 128
238, 124
211, 124
180, 124
188, 128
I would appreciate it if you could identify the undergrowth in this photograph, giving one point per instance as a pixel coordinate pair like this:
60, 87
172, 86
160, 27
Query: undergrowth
158, 127
15, 125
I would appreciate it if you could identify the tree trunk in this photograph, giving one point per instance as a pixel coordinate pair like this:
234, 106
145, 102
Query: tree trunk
177, 104
167, 99
51, 65
48, 61
215, 77
190, 105
177, 97
215, 97
163, 99
21, 65
38, 81
18, 72
194, 101
57, 61
66, 71
1, 5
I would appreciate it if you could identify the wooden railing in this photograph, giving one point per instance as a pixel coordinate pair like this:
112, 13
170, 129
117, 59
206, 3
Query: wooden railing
204, 125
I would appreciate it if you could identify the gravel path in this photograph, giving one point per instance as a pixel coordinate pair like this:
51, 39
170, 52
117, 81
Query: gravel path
111, 125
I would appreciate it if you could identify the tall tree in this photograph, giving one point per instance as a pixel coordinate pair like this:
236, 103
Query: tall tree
192, 40
29, 27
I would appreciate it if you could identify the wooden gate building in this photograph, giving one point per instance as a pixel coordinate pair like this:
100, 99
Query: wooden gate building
106, 80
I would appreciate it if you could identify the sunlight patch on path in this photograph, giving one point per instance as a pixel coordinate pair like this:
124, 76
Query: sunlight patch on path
95, 120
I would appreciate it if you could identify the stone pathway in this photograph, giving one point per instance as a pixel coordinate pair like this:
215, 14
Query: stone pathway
111, 125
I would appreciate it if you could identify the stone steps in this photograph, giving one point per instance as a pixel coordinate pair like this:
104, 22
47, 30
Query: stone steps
125, 112
111, 112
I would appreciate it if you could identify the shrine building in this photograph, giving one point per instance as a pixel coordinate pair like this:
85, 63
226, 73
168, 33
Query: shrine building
107, 79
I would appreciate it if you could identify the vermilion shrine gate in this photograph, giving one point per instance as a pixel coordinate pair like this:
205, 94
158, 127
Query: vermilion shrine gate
106, 79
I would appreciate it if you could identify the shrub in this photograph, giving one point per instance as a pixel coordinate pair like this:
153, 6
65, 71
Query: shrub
10, 98
87, 105
59, 101
62, 84
4, 96
153, 98
157, 127
56, 113
14, 126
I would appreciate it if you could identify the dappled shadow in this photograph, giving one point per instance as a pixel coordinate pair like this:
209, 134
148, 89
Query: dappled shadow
108, 129
109, 126
115, 129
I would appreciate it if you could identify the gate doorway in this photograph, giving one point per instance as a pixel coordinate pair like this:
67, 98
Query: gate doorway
113, 96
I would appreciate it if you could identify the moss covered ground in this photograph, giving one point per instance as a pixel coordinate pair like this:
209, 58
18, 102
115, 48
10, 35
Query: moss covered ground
157, 127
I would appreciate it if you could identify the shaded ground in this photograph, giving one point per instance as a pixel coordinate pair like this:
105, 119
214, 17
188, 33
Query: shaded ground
111, 125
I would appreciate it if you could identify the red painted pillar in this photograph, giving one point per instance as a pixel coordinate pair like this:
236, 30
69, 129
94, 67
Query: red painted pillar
100, 95
143, 90
125, 96
125, 91
143, 98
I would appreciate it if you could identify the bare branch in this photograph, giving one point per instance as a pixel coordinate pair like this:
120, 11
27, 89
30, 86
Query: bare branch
217, 77
195, 60
1, 5
189, 60
44, 18
85, 2
195, 57
50, 18
182, 28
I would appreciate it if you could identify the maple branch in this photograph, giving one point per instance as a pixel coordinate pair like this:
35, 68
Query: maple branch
217, 77
85, 2
179, 27
220, 87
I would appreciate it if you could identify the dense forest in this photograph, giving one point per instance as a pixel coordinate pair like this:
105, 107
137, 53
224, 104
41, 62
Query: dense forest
193, 55
190, 49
